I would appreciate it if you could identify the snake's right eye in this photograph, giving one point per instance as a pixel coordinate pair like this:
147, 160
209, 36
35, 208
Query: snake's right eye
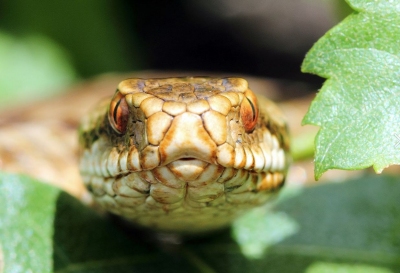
118, 113
249, 111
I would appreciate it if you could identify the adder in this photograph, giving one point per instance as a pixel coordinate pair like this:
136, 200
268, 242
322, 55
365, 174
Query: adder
184, 155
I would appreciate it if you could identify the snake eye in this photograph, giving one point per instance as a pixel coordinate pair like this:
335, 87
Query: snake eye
249, 111
118, 113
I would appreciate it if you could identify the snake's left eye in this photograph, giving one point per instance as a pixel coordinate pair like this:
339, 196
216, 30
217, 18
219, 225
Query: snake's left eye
249, 111
118, 113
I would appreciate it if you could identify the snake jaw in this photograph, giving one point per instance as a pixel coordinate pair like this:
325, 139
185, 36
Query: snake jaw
190, 145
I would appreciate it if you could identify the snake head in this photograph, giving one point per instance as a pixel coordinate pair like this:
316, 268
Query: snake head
213, 120
183, 142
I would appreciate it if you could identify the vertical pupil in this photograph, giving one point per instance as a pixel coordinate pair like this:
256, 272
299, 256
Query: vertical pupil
252, 108
115, 114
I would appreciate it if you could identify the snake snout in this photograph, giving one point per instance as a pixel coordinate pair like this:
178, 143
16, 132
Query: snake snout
187, 139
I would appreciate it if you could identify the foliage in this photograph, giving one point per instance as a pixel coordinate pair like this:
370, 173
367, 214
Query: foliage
357, 108
347, 227
31, 67
27, 210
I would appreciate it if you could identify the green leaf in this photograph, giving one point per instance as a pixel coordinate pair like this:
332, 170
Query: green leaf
31, 67
346, 227
354, 223
262, 228
26, 224
345, 268
357, 108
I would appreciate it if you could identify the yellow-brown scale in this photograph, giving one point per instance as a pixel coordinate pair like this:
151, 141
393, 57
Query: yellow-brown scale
184, 155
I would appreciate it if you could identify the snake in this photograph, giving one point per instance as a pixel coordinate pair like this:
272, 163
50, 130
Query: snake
183, 155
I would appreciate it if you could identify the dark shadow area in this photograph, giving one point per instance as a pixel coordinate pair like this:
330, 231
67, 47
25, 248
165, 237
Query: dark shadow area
87, 242
352, 224
108, 36
174, 35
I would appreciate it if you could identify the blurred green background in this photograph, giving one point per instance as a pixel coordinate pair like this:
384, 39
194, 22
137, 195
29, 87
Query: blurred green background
47, 45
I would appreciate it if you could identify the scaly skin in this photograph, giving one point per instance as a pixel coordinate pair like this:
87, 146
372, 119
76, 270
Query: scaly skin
183, 155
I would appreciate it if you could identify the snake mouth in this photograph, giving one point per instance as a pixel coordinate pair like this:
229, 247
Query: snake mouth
188, 168
187, 158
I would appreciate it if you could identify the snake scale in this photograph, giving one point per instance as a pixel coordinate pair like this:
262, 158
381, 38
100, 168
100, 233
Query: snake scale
183, 155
